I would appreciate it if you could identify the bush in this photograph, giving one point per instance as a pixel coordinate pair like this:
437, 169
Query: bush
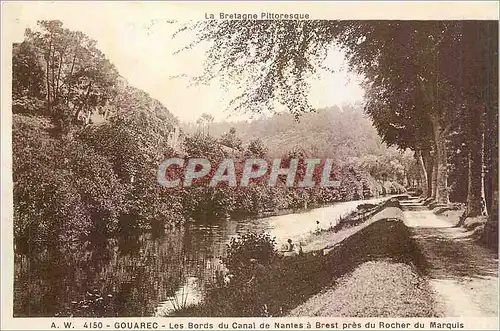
397, 188
393, 203
249, 246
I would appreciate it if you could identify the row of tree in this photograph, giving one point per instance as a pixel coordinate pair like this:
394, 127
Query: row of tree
431, 86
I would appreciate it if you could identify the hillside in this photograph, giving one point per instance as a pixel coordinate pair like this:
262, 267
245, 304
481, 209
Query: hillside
334, 132
345, 135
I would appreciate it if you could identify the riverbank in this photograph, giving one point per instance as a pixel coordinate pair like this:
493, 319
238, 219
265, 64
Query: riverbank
357, 220
381, 288
288, 283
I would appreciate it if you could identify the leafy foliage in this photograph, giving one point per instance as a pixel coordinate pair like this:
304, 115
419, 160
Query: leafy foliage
230, 139
63, 191
260, 247
65, 69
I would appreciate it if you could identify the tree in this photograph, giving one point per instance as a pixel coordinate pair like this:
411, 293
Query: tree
27, 79
256, 149
78, 77
480, 92
204, 122
394, 109
230, 139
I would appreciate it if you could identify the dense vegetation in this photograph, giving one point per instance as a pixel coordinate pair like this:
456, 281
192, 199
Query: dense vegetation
431, 86
87, 145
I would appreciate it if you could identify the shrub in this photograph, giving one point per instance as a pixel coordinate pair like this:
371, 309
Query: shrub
393, 203
249, 246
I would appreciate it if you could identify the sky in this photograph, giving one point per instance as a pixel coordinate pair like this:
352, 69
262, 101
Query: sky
138, 41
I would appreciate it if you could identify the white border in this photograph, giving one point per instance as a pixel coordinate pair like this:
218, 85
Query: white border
399, 10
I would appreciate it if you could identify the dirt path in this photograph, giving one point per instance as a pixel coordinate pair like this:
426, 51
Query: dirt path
463, 274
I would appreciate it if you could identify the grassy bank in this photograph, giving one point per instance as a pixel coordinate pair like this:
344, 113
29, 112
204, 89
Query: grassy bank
379, 288
290, 281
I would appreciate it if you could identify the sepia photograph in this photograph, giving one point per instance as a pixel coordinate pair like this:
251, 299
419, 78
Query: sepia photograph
249, 163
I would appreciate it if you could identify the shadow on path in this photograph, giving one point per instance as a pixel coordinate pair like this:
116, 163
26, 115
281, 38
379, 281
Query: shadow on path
463, 274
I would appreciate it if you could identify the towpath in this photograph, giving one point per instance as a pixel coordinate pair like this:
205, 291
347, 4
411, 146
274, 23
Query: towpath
463, 274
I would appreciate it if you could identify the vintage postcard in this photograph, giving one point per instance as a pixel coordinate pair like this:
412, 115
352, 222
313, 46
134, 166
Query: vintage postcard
249, 165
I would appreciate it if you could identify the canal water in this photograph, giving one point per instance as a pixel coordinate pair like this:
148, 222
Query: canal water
148, 276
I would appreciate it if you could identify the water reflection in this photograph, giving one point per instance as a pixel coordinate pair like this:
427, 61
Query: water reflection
146, 275
189, 293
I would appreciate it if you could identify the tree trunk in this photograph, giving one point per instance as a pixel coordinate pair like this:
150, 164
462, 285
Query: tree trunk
490, 154
491, 164
472, 81
53, 75
423, 179
441, 161
68, 78
58, 80
484, 209
429, 163
434, 177
49, 104
490, 235
474, 134
83, 104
